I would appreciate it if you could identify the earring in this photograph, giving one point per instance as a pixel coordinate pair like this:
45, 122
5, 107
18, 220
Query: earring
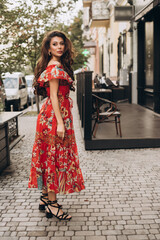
50, 54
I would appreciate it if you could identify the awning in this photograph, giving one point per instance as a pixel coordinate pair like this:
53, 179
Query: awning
145, 10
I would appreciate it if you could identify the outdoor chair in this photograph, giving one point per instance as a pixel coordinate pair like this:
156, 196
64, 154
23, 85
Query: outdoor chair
105, 111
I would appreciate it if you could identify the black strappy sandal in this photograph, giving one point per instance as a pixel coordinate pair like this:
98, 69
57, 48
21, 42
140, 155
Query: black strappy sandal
43, 197
60, 217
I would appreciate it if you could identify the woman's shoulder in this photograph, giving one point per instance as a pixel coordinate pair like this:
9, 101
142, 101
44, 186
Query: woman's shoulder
53, 71
54, 63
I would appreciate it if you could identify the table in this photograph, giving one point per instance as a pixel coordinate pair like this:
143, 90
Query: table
8, 132
104, 93
114, 94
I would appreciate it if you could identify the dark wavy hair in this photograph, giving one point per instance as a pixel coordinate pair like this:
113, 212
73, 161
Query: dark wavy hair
66, 60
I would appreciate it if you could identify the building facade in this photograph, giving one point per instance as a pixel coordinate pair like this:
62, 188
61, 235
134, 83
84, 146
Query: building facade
147, 17
126, 35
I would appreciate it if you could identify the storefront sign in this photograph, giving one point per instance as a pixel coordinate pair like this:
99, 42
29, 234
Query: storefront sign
140, 4
123, 13
142, 7
85, 52
100, 10
144, 12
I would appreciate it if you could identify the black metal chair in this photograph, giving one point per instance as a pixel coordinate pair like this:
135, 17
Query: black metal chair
109, 113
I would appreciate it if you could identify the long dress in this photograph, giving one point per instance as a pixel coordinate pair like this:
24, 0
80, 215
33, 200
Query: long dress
55, 162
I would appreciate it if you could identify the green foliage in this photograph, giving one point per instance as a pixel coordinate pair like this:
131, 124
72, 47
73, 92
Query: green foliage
76, 36
24, 27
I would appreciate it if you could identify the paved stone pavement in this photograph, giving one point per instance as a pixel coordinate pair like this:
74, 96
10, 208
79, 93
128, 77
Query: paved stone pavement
121, 200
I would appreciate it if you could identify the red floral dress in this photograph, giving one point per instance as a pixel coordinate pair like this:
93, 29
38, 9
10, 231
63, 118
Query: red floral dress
55, 163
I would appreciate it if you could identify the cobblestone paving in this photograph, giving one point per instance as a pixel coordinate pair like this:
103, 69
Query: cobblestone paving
121, 200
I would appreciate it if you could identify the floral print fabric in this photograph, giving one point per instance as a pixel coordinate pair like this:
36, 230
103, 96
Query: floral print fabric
55, 163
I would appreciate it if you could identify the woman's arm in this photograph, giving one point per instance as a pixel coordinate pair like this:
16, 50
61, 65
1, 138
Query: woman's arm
54, 84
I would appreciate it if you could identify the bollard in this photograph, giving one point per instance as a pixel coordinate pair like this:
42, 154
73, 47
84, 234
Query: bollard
11, 108
32, 103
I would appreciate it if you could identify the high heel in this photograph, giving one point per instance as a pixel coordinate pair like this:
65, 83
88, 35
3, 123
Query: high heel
60, 217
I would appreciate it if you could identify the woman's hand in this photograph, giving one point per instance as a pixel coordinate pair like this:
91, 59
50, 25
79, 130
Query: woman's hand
60, 130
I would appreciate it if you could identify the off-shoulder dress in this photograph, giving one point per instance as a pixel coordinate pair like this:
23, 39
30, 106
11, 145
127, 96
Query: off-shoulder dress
55, 161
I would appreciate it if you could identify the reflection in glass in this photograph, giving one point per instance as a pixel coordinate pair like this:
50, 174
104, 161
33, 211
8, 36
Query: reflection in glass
10, 82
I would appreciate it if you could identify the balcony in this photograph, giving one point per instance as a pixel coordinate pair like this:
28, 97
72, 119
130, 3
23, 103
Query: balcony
99, 14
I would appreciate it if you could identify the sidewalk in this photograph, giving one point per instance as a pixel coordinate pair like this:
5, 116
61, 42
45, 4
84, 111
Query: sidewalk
121, 200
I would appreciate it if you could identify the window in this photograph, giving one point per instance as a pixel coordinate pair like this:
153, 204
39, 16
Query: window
10, 83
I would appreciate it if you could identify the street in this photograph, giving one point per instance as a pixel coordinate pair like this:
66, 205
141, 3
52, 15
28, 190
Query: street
120, 201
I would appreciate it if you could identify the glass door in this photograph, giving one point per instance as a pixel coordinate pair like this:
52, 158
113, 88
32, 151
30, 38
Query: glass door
149, 65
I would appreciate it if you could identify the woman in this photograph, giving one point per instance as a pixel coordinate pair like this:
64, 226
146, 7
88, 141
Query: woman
55, 163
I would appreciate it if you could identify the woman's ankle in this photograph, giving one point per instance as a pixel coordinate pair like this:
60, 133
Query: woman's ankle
52, 196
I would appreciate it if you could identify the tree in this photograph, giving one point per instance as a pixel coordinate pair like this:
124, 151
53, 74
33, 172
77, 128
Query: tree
75, 34
23, 29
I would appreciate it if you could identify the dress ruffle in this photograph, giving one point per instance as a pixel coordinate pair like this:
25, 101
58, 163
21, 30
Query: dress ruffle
58, 169
53, 72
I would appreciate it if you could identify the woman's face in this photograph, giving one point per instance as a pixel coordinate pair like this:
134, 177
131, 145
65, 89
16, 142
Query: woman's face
57, 46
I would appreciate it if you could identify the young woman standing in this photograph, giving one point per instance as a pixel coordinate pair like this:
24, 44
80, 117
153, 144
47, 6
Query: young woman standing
55, 163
